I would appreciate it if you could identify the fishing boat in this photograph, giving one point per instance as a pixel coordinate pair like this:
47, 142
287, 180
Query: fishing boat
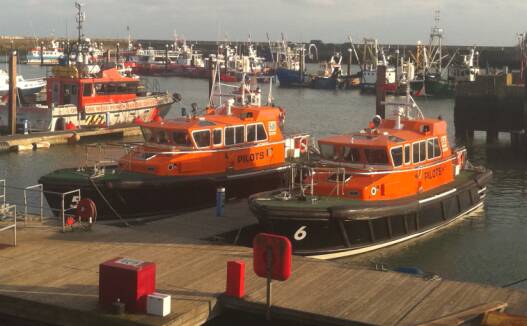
393, 181
291, 65
329, 75
374, 56
43, 55
238, 145
25, 86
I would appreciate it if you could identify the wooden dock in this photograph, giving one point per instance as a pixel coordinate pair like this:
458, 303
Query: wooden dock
13, 143
52, 277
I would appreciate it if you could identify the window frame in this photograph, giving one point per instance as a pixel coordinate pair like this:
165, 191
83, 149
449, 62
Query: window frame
196, 143
402, 155
221, 137
409, 146
234, 130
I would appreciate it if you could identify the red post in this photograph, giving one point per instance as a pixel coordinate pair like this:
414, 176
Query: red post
235, 279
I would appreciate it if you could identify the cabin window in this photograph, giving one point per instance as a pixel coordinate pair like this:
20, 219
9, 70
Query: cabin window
88, 88
229, 136
416, 152
216, 137
251, 133
156, 136
240, 130
433, 148
422, 151
351, 154
327, 151
115, 88
407, 157
376, 156
397, 156
260, 132
202, 138
419, 149
181, 138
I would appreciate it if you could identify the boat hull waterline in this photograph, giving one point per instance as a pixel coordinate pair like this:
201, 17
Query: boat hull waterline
344, 228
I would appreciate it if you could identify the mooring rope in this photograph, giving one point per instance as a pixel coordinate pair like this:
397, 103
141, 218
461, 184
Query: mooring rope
107, 202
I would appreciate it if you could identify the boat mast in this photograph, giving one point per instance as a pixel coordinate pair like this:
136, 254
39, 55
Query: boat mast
81, 18
436, 38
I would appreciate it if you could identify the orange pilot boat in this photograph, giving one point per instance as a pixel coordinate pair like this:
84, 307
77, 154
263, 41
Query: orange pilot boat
386, 184
182, 162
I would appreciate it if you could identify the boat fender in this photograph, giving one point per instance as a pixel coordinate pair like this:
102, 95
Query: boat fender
373, 191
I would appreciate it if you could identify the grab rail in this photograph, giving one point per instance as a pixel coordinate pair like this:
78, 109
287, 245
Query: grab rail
4, 211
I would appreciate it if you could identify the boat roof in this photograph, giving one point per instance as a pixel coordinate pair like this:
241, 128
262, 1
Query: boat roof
104, 76
387, 136
239, 116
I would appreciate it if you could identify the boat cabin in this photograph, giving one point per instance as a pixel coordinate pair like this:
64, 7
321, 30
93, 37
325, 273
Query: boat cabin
398, 158
238, 139
66, 87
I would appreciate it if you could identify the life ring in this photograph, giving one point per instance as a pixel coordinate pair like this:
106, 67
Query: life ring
86, 209
373, 191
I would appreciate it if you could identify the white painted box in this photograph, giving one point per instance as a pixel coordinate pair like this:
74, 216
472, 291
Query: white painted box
158, 304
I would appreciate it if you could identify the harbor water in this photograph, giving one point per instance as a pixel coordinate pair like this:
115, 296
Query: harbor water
488, 246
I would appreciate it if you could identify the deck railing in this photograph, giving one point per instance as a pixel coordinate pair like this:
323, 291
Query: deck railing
302, 173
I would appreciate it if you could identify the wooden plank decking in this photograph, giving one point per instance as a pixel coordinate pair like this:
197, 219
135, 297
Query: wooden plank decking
53, 277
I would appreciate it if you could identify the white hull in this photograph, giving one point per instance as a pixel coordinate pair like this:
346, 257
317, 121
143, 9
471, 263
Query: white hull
43, 118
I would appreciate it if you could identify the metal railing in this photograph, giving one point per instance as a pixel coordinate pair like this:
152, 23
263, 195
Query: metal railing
26, 205
67, 203
300, 174
5, 212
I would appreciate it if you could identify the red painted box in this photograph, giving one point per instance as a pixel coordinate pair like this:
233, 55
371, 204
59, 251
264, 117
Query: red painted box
235, 279
129, 280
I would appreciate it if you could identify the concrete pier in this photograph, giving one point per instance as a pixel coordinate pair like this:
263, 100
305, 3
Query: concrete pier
52, 277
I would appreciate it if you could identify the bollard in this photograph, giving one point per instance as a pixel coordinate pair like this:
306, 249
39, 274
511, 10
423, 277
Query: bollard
26, 126
220, 201
235, 279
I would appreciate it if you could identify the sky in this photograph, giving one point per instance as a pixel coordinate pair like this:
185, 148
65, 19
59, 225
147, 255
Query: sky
465, 22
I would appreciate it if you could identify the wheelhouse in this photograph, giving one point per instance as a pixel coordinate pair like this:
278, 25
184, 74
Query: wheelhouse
110, 87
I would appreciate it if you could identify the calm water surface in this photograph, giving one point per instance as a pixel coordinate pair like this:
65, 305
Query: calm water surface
488, 246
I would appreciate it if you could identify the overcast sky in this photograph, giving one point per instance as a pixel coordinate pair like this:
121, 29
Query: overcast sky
465, 22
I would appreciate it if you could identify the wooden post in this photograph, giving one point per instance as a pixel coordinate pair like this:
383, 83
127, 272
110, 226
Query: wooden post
117, 53
166, 58
302, 62
12, 94
212, 67
108, 55
41, 53
380, 91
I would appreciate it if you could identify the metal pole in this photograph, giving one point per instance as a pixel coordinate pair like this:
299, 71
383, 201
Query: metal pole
269, 283
41, 53
62, 214
12, 94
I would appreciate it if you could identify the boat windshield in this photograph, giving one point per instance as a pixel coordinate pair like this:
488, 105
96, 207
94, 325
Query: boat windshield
181, 138
376, 156
351, 154
327, 151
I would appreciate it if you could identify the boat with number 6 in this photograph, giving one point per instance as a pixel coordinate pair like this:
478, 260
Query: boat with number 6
391, 182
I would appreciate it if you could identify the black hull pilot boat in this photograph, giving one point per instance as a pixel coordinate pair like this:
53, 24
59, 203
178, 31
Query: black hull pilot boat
182, 162
391, 182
